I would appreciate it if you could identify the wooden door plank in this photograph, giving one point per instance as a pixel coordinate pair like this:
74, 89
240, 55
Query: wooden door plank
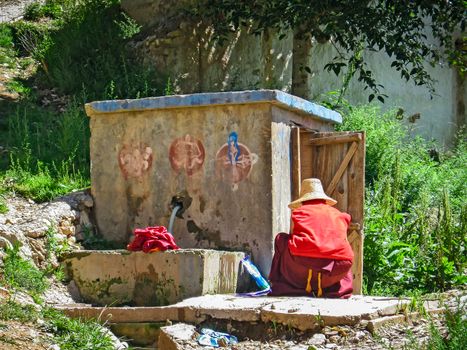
306, 156
345, 162
356, 177
318, 141
355, 239
296, 163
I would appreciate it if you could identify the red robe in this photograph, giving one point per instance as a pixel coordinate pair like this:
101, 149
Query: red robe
320, 231
316, 259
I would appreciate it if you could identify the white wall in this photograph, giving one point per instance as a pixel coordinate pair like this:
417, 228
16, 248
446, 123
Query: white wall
185, 52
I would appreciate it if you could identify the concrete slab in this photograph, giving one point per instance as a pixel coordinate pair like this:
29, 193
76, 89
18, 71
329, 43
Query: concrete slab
229, 307
275, 97
118, 277
298, 312
174, 337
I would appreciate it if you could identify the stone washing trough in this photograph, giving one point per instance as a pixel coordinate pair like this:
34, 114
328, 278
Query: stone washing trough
120, 277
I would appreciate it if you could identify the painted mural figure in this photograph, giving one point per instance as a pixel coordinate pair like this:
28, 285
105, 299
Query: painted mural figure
187, 153
234, 150
135, 160
234, 161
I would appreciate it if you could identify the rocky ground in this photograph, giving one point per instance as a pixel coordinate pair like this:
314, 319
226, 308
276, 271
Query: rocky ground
11, 10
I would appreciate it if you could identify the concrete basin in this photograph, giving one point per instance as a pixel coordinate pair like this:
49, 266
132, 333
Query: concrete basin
120, 277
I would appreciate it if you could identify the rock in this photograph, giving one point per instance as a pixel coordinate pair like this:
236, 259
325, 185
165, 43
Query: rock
66, 227
317, 339
4, 243
360, 335
334, 339
173, 337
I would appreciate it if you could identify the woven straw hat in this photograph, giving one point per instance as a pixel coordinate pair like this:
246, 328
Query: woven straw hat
311, 189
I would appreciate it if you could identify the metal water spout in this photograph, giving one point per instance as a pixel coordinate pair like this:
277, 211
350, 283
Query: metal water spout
180, 202
172, 217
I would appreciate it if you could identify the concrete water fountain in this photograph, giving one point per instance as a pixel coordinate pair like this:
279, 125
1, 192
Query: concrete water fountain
219, 162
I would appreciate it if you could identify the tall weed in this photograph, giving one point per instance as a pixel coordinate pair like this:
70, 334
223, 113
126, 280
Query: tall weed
415, 211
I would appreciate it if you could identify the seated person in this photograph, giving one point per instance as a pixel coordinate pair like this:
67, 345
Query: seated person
316, 258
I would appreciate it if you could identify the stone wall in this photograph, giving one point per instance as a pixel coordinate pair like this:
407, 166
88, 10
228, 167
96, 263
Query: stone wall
185, 51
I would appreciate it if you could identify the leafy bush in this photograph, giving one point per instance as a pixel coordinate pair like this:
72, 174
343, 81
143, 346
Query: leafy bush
415, 211
6, 36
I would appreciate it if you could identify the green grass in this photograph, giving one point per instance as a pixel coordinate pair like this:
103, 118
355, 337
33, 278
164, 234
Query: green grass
11, 310
7, 52
415, 210
69, 334
22, 274
456, 324
74, 334
3, 205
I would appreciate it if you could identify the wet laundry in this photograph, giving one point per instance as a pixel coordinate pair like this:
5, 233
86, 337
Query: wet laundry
152, 239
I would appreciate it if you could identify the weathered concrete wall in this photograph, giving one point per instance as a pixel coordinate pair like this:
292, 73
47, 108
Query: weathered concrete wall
154, 279
197, 64
225, 157
281, 161
186, 151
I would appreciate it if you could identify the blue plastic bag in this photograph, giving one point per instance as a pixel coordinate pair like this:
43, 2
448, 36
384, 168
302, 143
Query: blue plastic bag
261, 282
210, 337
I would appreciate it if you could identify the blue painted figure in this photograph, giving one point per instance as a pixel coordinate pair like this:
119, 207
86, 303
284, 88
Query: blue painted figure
233, 149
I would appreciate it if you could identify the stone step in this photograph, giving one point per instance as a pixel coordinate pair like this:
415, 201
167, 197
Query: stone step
301, 313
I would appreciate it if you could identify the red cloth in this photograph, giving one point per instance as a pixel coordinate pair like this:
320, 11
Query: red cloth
152, 239
289, 274
320, 231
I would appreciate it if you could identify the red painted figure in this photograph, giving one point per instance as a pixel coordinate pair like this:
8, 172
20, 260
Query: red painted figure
316, 258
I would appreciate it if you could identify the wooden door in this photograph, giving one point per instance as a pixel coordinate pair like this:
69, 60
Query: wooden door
338, 160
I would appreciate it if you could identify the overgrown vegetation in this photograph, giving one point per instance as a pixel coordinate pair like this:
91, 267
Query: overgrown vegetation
71, 334
81, 54
415, 211
22, 274
456, 338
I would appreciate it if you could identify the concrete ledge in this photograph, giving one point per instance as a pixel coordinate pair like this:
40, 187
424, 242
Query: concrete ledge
299, 312
277, 97
119, 277
376, 324
120, 314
